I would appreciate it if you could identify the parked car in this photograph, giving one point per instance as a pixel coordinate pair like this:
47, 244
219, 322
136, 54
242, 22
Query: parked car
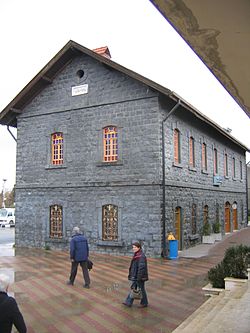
7, 217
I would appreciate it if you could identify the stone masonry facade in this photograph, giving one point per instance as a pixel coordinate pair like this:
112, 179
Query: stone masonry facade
84, 183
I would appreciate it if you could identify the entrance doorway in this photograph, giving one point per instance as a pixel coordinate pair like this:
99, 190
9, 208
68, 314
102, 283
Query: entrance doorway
227, 218
178, 226
235, 216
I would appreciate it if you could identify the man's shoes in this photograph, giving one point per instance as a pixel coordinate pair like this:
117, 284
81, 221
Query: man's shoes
142, 306
69, 283
86, 286
126, 304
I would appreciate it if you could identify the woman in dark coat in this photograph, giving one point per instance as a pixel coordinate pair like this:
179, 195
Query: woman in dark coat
138, 274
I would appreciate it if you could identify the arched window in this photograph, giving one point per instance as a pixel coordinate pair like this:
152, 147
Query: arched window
191, 152
204, 157
110, 222
217, 213
194, 219
110, 144
177, 152
205, 214
56, 221
57, 148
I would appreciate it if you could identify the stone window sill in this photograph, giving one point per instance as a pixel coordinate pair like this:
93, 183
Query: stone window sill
50, 167
110, 243
108, 164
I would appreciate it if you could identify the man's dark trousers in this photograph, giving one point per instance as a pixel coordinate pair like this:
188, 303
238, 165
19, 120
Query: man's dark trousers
85, 272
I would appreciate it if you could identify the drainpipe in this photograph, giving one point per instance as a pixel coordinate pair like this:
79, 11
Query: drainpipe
11, 133
164, 245
247, 184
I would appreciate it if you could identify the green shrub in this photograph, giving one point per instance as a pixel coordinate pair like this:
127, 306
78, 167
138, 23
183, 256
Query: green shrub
206, 231
234, 264
216, 227
216, 276
236, 261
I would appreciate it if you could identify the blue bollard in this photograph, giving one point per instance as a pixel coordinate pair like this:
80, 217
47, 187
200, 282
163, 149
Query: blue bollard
173, 249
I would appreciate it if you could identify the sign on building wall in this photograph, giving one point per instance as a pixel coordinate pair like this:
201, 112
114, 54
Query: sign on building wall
217, 180
80, 90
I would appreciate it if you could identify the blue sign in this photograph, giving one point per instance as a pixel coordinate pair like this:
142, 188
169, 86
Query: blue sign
217, 180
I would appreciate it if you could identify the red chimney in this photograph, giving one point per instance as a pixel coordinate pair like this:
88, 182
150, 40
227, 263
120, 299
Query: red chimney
104, 51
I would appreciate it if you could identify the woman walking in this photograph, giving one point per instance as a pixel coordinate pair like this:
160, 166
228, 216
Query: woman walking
138, 274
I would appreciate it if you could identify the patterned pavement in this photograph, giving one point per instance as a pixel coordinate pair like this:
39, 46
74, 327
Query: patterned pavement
50, 306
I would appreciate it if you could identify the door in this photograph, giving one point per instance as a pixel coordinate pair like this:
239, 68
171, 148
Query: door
227, 217
178, 226
235, 214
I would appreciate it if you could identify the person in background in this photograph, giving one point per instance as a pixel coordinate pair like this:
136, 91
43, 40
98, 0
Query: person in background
138, 274
79, 252
9, 312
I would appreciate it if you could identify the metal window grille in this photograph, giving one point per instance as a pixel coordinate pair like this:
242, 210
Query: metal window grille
215, 161
56, 221
177, 155
191, 152
110, 144
194, 219
226, 165
110, 222
234, 171
57, 148
205, 214
204, 156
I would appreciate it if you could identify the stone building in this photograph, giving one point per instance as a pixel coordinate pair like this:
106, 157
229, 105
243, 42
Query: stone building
104, 148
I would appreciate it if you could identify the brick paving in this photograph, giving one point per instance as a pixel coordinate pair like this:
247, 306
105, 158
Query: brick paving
50, 306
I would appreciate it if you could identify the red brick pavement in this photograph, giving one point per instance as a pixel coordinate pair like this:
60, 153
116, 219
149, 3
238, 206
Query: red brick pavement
50, 306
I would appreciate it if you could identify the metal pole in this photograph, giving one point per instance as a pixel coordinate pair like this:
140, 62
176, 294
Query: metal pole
3, 204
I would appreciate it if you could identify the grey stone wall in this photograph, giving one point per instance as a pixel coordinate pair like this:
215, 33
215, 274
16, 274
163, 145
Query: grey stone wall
84, 183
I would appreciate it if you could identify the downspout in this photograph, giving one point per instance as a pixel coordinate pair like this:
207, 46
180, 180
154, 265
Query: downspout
164, 244
11, 133
247, 183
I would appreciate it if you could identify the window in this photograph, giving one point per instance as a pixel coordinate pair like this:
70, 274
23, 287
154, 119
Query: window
191, 152
110, 222
241, 171
177, 153
225, 165
217, 213
110, 144
205, 214
215, 161
194, 219
56, 222
204, 157
233, 166
57, 148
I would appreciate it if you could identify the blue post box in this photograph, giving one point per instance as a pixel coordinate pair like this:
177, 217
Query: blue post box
173, 249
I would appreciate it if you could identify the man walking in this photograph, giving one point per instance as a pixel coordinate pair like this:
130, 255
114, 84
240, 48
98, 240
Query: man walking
79, 252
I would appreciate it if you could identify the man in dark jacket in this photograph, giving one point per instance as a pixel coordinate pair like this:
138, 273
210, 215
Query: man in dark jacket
9, 311
138, 275
79, 252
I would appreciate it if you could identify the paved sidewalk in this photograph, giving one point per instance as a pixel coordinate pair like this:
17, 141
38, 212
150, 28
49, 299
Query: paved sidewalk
50, 306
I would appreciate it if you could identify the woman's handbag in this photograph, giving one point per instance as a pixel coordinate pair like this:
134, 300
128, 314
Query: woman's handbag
136, 293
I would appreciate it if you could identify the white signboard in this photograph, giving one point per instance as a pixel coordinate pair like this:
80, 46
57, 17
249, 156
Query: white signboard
80, 90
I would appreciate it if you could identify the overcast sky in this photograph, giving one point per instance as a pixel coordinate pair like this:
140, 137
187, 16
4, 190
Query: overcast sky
138, 37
